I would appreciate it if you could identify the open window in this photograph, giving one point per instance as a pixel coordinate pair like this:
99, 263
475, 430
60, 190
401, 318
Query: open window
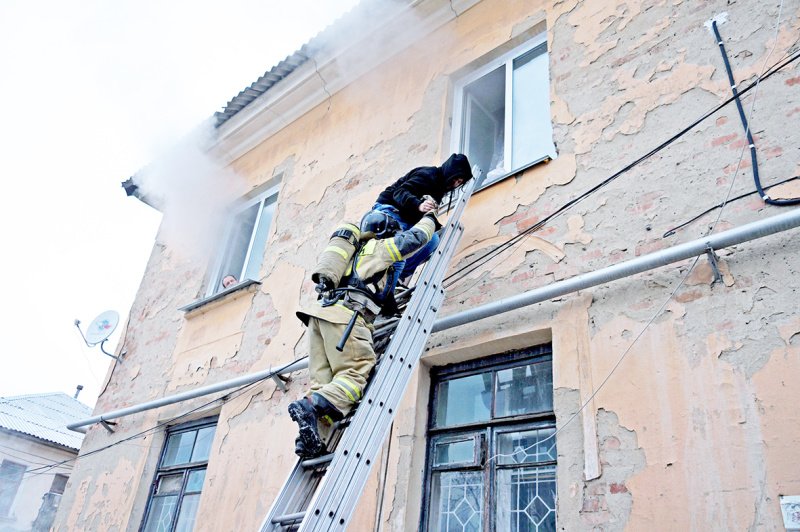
244, 242
502, 116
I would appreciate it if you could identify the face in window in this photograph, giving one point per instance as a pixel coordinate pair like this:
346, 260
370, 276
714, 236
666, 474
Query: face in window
228, 280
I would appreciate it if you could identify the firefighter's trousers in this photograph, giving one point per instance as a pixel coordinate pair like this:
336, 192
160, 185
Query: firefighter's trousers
340, 377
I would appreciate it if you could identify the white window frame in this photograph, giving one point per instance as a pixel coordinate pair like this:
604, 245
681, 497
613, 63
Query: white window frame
459, 131
267, 197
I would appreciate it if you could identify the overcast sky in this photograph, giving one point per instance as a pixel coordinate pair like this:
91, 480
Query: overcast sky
91, 92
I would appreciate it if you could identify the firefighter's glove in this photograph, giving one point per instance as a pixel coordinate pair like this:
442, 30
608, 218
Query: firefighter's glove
324, 285
435, 220
389, 307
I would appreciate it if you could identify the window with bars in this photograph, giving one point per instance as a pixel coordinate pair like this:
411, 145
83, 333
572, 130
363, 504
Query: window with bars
491, 461
245, 241
502, 116
175, 493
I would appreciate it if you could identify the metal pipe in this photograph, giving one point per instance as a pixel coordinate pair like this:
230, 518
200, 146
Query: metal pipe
191, 394
737, 235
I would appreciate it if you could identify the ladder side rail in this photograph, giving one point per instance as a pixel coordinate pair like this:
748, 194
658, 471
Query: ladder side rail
368, 426
340, 479
372, 446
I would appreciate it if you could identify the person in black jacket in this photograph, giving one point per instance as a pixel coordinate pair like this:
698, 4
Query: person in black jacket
416, 193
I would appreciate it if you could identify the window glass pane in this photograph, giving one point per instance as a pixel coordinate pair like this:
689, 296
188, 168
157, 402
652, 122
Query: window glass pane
203, 445
162, 510
256, 256
484, 120
532, 130
525, 390
238, 243
526, 499
188, 513
169, 484
528, 446
455, 452
59, 483
457, 502
464, 400
179, 448
195, 482
10, 479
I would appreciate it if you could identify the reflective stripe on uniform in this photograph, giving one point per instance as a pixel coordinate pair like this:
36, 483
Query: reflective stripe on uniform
352, 391
338, 250
391, 247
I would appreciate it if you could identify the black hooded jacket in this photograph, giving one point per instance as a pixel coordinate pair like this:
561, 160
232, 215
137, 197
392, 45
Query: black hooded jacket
406, 193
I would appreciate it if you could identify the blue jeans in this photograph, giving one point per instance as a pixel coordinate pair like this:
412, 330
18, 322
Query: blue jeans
404, 269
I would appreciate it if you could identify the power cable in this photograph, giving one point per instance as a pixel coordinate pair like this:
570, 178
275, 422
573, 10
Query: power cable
660, 309
479, 261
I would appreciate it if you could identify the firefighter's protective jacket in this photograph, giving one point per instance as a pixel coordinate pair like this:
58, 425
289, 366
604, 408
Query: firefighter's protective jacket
371, 263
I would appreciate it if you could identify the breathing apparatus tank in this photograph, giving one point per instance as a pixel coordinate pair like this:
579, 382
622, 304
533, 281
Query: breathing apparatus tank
335, 260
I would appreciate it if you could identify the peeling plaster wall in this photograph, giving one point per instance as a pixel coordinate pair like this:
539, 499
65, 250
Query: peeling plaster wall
696, 428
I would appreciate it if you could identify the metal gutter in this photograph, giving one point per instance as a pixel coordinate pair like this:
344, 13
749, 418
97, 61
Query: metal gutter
737, 235
732, 237
191, 394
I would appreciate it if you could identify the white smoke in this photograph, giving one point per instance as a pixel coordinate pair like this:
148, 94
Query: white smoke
194, 191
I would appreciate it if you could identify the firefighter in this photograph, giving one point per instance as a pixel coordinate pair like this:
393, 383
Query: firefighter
351, 277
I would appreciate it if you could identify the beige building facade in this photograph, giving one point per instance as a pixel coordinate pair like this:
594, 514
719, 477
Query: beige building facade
673, 392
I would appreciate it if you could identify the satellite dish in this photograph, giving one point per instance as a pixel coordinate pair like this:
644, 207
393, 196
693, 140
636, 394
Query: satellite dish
102, 327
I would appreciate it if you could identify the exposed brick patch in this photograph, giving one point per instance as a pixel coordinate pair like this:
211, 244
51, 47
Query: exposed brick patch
722, 120
793, 81
719, 141
617, 487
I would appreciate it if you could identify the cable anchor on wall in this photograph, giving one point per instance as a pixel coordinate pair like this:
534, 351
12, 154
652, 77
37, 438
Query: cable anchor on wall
713, 259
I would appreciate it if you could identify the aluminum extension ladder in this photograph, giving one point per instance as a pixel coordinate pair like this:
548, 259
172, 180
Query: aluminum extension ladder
321, 493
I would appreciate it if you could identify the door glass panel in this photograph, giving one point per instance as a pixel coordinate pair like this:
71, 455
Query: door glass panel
525, 390
526, 499
457, 502
532, 130
195, 482
188, 513
526, 446
162, 510
455, 452
203, 445
179, 448
464, 400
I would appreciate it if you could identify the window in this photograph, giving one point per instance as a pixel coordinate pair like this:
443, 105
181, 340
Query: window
491, 449
10, 479
502, 114
245, 241
175, 493
59, 483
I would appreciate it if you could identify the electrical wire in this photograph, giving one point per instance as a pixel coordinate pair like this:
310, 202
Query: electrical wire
483, 259
675, 229
657, 313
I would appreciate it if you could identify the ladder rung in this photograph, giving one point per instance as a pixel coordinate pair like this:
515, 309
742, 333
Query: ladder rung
289, 518
313, 462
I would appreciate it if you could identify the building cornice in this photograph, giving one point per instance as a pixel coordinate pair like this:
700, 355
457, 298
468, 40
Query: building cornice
322, 76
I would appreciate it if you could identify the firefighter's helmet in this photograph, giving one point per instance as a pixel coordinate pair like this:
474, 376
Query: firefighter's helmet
378, 224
